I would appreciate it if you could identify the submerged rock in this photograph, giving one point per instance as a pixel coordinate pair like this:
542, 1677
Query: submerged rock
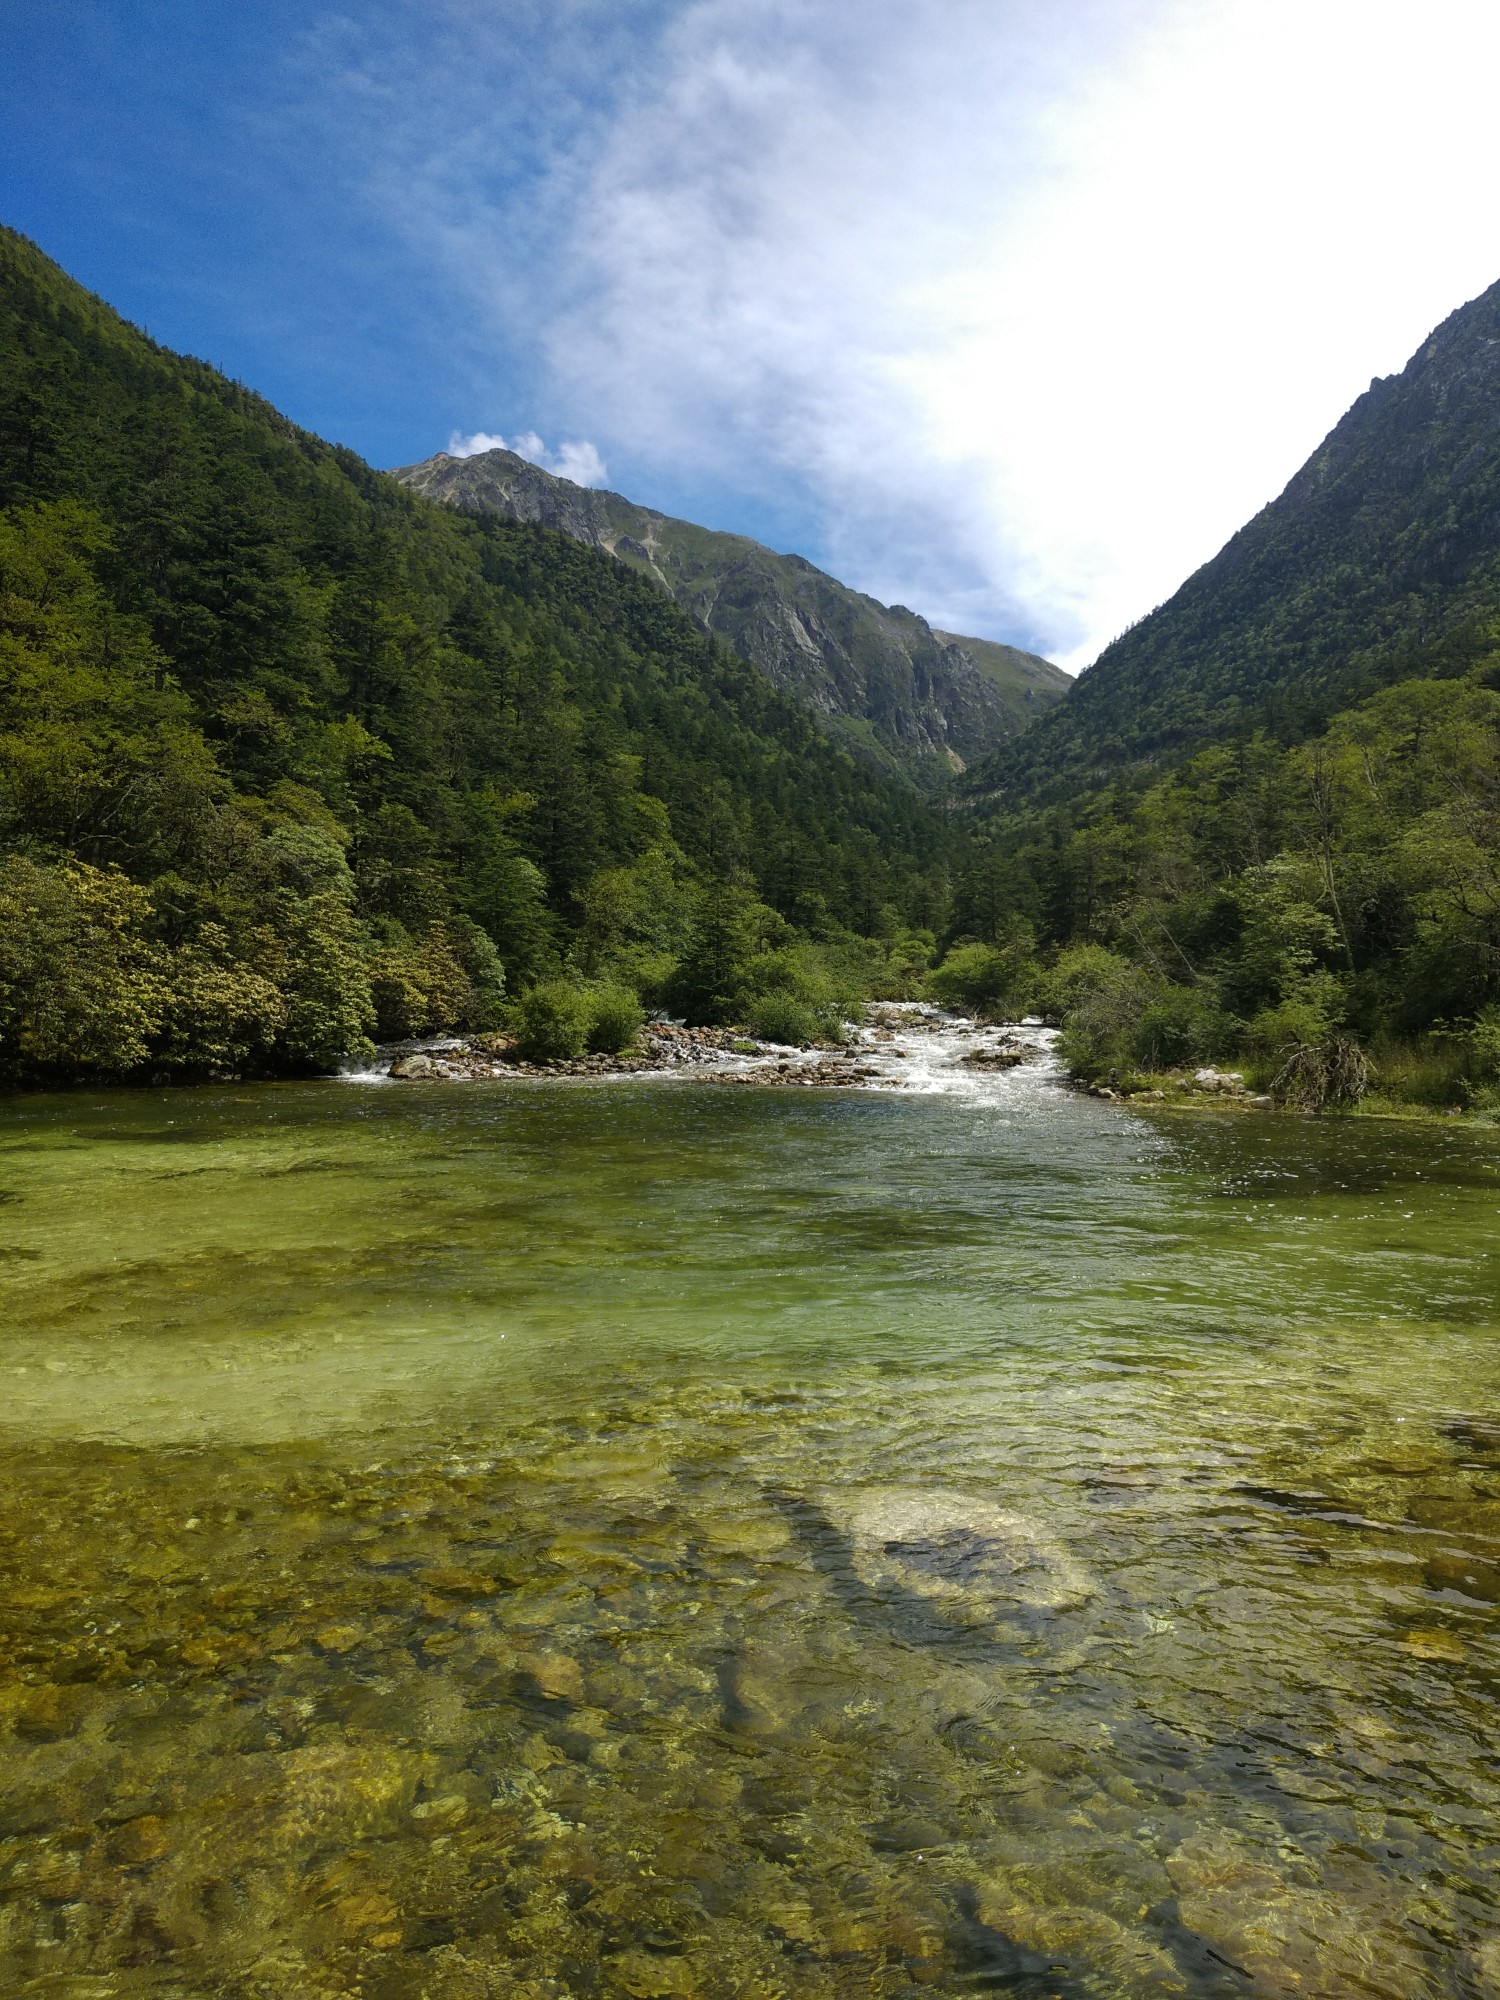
1003, 1055
958, 1551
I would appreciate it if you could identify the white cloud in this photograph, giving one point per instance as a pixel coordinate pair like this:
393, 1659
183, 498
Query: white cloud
460, 446
575, 458
1040, 303
1024, 305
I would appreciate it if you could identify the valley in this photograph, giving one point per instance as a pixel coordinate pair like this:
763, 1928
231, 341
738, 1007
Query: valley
624, 1378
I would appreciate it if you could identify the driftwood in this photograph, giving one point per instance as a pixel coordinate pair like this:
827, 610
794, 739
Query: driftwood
1322, 1076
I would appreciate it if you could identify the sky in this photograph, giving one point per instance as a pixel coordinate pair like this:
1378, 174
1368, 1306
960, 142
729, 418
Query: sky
1008, 310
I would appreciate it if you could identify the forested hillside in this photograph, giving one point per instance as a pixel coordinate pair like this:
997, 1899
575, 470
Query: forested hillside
880, 679
289, 755
1380, 560
1266, 825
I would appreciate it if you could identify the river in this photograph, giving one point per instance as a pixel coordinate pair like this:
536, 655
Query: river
646, 1538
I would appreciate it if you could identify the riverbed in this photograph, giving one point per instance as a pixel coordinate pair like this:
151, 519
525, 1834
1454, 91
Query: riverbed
642, 1538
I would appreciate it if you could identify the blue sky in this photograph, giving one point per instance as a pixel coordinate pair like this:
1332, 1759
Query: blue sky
206, 168
1010, 310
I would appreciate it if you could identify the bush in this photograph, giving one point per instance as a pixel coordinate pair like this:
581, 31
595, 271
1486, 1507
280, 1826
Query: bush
220, 1016
1076, 973
993, 981
812, 991
552, 1022
781, 1017
476, 953
901, 968
1307, 1015
450, 977
615, 1019
81, 990
709, 984
1178, 1026
1099, 1027
1117, 1018
324, 978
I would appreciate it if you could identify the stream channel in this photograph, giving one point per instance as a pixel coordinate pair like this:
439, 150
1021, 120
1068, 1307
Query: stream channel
532, 1540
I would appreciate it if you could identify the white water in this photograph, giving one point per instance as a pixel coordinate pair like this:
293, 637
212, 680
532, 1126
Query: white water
930, 1058
910, 1045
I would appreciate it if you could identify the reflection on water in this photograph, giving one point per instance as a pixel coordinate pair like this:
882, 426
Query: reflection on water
649, 1541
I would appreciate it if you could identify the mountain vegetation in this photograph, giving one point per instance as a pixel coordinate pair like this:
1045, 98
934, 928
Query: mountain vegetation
1267, 821
900, 695
1380, 561
291, 756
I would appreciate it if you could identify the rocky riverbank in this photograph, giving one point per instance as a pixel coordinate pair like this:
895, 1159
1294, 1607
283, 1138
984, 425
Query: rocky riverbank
899, 1046
1191, 1089
660, 1046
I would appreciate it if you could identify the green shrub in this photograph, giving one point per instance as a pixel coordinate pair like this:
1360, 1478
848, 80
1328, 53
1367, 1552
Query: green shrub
1308, 1014
818, 988
781, 1017
1081, 970
709, 984
1119, 1019
614, 1019
476, 953
220, 1016
552, 1022
1178, 1026
449, 977
320, 967
81, 990
993, 981
901, 967
1436, 1071
1100, 1024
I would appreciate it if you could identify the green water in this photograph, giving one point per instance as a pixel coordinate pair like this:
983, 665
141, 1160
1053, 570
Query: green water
654, 1540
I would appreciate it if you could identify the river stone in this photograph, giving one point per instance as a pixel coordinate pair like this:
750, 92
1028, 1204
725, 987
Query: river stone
958, 1551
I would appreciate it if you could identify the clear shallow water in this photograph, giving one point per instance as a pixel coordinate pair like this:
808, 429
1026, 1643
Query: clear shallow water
673, 1540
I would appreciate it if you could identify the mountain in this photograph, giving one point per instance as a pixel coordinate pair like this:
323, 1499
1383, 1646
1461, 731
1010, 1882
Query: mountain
1264, 829
1381, 559
289, 754
881, 679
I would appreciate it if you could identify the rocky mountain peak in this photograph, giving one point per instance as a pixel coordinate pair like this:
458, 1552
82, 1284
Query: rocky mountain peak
878, 676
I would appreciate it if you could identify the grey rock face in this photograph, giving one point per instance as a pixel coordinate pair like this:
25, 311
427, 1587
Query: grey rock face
878, 676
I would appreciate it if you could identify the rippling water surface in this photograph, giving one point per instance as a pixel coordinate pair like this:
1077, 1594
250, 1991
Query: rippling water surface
656, 1539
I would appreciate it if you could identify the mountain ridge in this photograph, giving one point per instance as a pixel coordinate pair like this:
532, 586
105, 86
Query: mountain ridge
879, 677
1382, 550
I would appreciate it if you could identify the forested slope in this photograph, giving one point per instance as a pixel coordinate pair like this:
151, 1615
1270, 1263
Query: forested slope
288, 752
880, 679
1266, 825
1381, 559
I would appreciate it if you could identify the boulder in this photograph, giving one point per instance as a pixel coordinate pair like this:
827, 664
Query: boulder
1227, 1081
412, 1066
964, 1555
1003, 1057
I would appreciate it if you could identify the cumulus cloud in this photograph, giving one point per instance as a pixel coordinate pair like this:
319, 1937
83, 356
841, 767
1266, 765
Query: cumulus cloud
575, 458
460, 446
1020, 306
